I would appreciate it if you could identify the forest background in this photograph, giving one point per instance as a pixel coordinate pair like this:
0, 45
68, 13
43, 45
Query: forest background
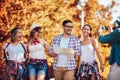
50, 14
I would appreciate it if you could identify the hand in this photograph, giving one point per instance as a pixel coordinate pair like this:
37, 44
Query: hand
53, 54
101, 67
28, 58
75, 54
27, 55
99, 30
110, 29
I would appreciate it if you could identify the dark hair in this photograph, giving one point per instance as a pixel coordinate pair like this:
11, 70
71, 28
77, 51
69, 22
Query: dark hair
37, 29
117, 22
90, 35
13, 33
66, 21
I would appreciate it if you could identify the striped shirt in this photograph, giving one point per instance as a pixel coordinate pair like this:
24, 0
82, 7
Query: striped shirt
74, 44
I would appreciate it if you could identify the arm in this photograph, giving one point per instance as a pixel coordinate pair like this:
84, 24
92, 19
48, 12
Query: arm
25, 46
78, 61
5, 52
110, 38
46, 45
78, 48
98, 53
51, 51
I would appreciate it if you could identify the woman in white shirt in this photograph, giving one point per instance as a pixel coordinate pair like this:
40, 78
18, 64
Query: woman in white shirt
88, 66
37, 67
15, 56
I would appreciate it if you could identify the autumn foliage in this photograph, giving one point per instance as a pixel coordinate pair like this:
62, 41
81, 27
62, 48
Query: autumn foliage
50, 14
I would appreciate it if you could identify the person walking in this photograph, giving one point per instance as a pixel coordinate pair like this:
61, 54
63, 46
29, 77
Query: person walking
37, 65
14, 53
88, 65
64, 66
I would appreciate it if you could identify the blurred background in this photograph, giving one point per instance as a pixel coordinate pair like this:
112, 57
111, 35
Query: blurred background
51, 13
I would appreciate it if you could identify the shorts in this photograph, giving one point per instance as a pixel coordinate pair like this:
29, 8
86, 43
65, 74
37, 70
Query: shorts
35, 69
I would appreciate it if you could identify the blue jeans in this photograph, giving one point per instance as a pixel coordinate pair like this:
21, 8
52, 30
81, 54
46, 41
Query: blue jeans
22, 70
35, 69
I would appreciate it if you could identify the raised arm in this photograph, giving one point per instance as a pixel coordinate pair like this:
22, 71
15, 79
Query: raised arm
110, 38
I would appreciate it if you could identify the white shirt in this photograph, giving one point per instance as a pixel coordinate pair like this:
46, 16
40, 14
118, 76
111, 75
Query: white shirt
37, 51
15, 52
62, 59
88, 54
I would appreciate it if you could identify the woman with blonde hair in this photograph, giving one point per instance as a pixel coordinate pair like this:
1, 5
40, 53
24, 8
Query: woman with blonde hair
14, 53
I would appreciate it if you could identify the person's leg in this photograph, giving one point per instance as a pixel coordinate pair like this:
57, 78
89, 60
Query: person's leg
22, 72
42, 72
12, 78
32, 77
84, 78
41, 76
92, 77
58, 73
114, 73
69, 75
31, 72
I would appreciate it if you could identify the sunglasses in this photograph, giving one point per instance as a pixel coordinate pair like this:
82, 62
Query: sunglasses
68, 26
39, 32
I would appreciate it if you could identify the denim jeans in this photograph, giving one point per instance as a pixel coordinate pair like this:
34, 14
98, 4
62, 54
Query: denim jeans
35, 69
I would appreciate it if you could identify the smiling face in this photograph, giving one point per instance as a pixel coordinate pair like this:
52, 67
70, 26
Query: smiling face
68, 28
18, 35
86, 31
37, 34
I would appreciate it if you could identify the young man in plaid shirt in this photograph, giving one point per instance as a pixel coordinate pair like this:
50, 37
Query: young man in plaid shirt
64, 66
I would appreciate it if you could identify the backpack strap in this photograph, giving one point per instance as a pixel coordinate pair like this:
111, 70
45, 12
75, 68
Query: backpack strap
23, 47
5, 55
26, 52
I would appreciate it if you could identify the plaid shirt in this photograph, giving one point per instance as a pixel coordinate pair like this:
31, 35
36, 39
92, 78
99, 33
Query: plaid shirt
74, 44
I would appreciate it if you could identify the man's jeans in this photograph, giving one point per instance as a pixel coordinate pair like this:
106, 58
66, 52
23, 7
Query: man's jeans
114, 73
